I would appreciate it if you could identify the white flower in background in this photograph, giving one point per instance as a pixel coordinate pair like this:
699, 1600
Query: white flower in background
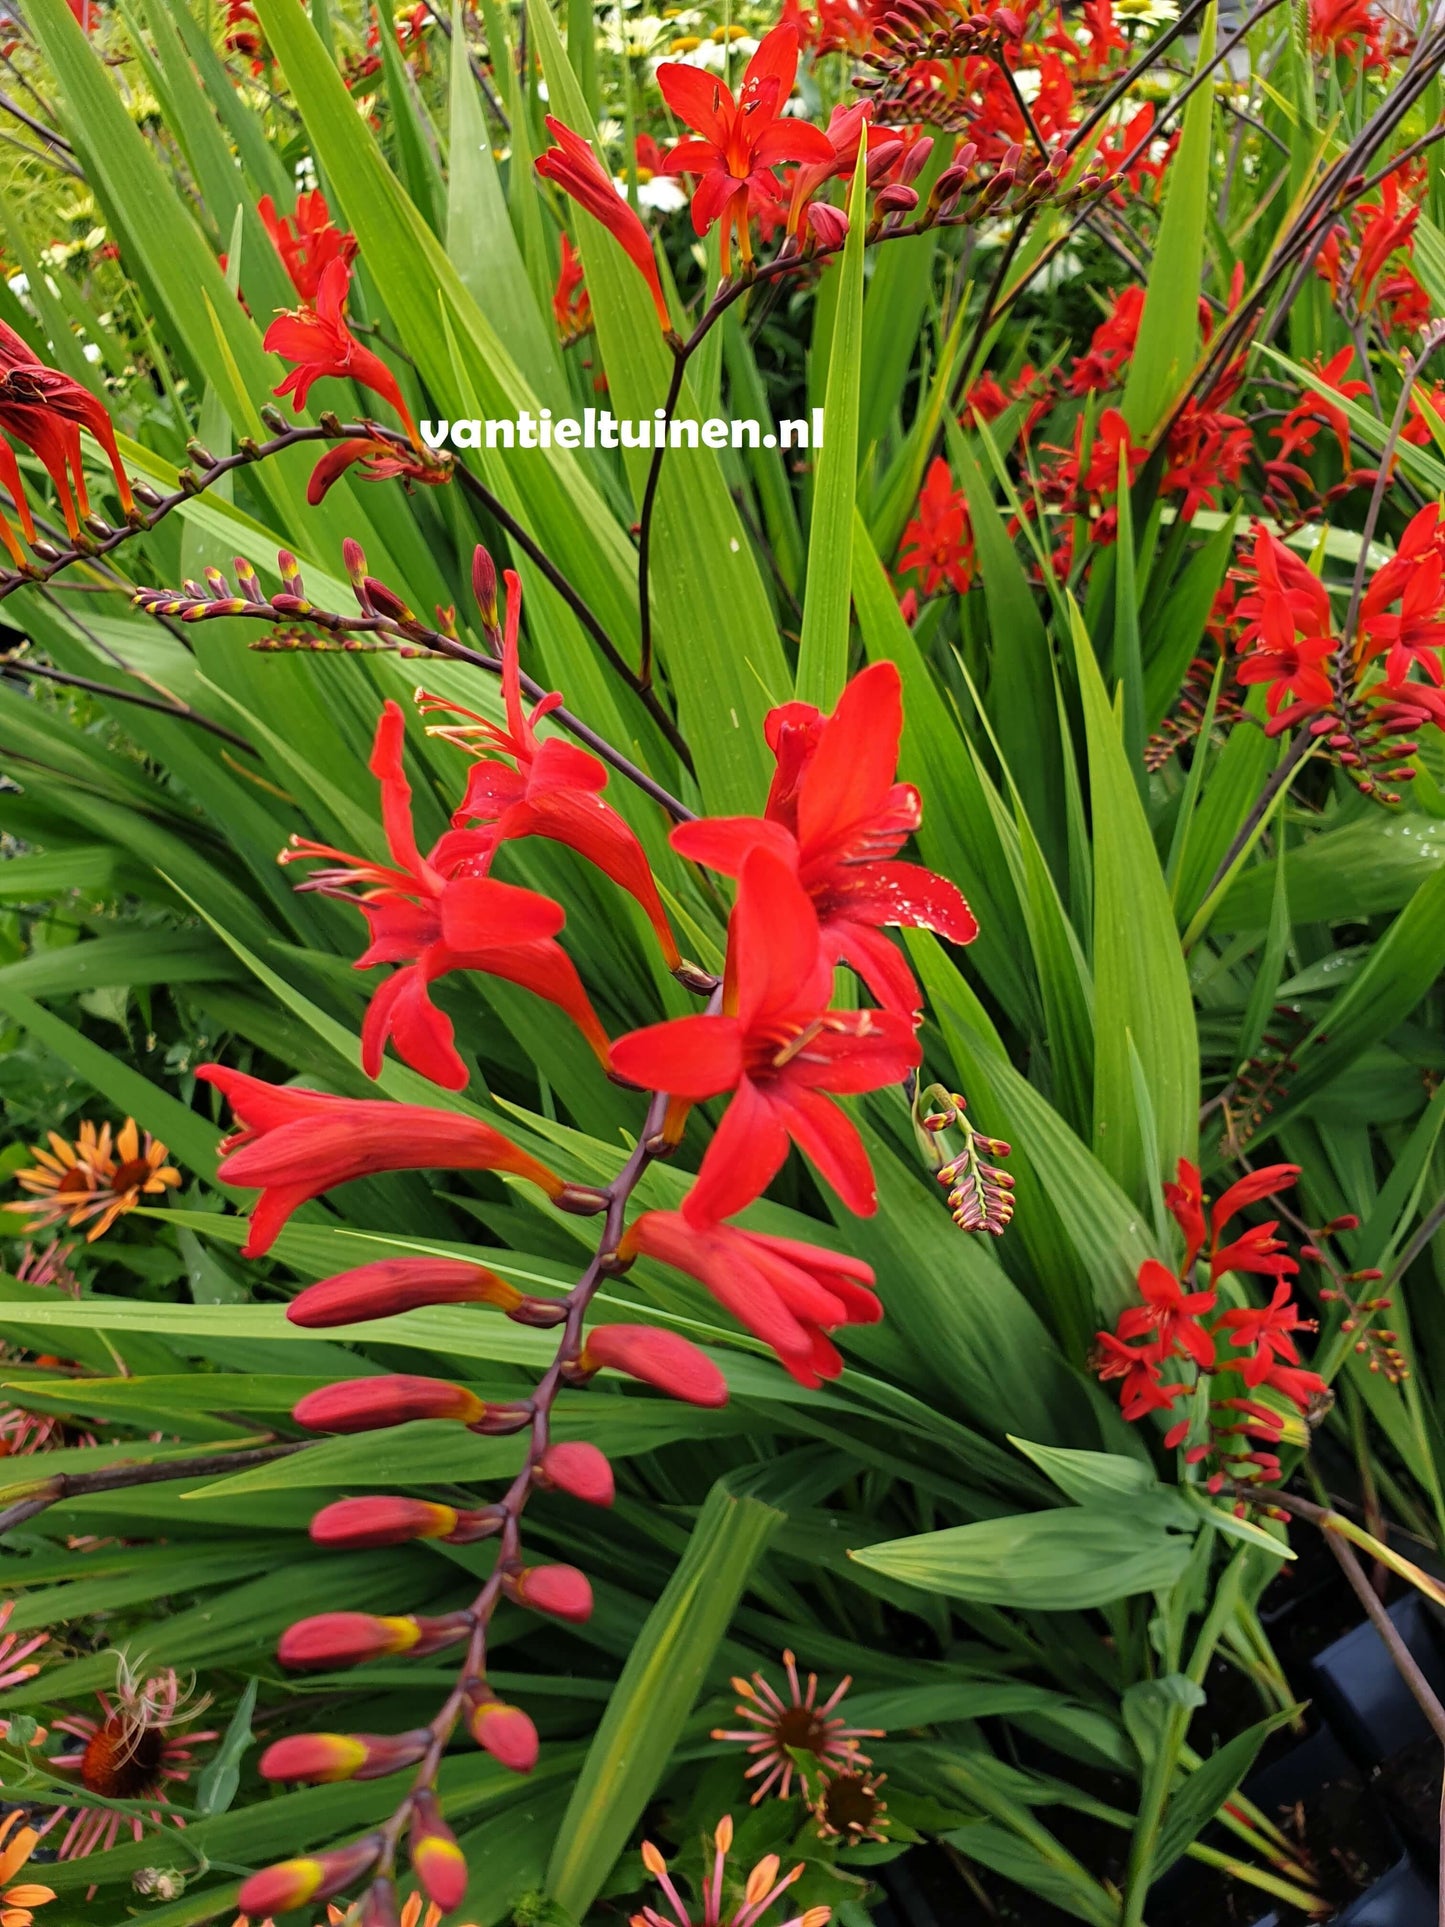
90, 351
307, 179
664, 194
633, 39
1029, 82
19, 285
609, 132
1147, 13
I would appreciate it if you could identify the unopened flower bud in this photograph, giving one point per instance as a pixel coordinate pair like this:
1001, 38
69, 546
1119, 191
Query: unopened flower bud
295, 1883
440, 1864
386, 602
369, 1404
504, 1731
348, 1639
575, 1467
662, 1358
386, 1521
379, 1908
562, 1591
827, 224
393, 1285
323, 1758
484, 585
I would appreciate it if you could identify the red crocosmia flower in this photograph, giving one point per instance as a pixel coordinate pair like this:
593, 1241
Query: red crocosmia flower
1289, 631
1185, 1201
1265, 1332
319, 341
308, 244
436, 914
294, 1144
1171, 1314
1250, 1189
574, 168
1254, 1250
938, 542
789, 1294
836, 814
657, 1357
1415, 634
504, 1731
739, 141
379, 460
847, 128
1109, 451
46, 410
1143, 1389
576, 1467
778, 1048
546, 786
391, 1285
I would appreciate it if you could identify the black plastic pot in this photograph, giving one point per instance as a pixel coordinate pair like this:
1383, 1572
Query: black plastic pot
1362, 1694
1401, 1899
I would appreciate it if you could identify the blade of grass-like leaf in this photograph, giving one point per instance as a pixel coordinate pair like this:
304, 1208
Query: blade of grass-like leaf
650, 1703
1141, 984
1168, 340
823, 649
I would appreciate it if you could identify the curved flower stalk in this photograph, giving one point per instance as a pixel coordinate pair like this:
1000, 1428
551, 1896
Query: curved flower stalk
819, 885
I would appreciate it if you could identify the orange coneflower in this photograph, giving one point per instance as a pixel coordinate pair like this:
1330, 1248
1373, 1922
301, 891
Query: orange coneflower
129, 1752
93, 1177
780, 1729
16, 1902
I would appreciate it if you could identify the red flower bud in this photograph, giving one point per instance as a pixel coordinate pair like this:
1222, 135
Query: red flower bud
439, 1862
829, 224
577, 1468
562, 1591
381, 1522
393, 1285
321, 1758
503, 1731
294, 1883
661, 1358
367, 1404
346, 1639
484, 585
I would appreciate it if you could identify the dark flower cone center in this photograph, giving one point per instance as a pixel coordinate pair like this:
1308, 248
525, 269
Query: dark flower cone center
75, 1179
122, 1761
850, 1805
799, 1730
130, 1176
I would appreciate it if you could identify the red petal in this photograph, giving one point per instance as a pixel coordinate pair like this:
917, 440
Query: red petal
831, 1140
479, 913
689, 1057
746, 1154
695, 97
724, 843
853, 766
774, 943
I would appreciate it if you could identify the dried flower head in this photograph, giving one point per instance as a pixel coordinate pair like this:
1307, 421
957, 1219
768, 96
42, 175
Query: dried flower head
761, 1889
779, 1729
130, 1751
847, 1807
93, 1177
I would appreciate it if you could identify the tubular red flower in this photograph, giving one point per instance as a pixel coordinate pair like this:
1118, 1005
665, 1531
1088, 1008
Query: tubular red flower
308, 244
390, 1286
778, 1047
562, 1591
938, 541
294, 1883
46, 410
319, 341
787, 1293
740, 140
573, 167
294, 1144
578, 1468
348, 1639
658, 1357
381, 1521
439, 1862
370, 1404
436, 914
544, 786
503, 1731
323, 1758
837, 815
